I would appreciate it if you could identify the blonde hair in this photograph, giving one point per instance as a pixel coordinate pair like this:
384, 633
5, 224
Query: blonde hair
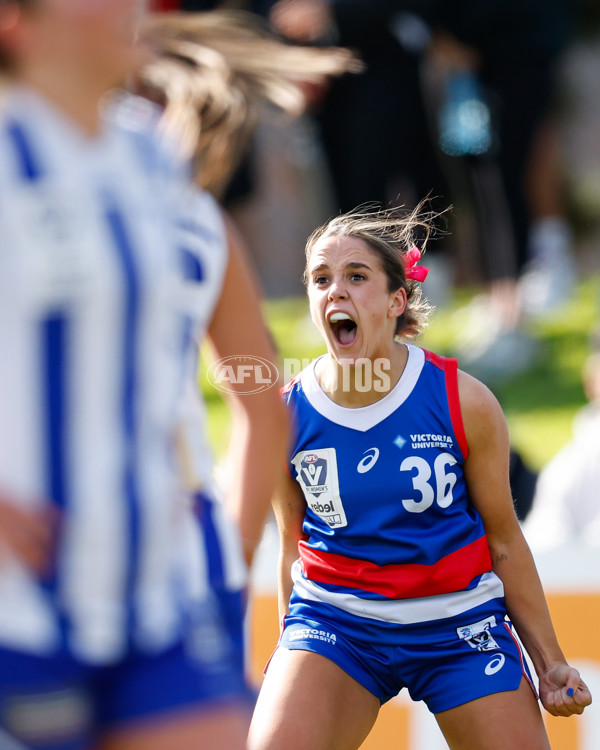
390, 234
214, 71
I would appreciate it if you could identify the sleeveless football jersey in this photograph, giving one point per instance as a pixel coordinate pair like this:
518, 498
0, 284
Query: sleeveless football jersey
390, 532
100, 295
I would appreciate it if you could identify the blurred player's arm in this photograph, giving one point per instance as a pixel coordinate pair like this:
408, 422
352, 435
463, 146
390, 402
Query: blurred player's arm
259, 420
25, 535
486, 472
289, 507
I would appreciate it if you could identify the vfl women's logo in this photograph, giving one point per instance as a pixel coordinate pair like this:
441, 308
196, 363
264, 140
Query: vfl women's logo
316, 473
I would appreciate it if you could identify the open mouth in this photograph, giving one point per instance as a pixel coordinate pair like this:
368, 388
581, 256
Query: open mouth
343, 327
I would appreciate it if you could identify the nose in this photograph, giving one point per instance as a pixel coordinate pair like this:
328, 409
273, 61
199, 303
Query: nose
337, 289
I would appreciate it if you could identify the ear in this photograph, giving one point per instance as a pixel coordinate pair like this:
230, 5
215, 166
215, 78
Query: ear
10, 29
398, 302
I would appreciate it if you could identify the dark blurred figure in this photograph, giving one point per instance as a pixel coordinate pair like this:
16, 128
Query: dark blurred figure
511, 49
515, 47
372, 136
523, 481
373, 125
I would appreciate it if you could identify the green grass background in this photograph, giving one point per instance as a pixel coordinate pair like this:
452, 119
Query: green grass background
539, 404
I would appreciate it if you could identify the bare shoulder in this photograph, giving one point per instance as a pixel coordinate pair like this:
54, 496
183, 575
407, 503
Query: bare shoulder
481, 411
474, 395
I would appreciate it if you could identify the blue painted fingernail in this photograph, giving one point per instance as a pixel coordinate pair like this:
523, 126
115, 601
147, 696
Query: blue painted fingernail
570, 692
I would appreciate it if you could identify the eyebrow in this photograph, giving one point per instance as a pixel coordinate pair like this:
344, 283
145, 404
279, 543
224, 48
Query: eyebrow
351, 265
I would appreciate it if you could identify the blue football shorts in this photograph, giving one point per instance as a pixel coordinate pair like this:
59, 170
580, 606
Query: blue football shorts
59, 703
444, 663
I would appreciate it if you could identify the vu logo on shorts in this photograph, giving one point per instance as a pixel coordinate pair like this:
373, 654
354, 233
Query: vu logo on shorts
478, 634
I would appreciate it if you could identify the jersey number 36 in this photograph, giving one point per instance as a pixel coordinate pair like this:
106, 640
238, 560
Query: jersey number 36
444, 482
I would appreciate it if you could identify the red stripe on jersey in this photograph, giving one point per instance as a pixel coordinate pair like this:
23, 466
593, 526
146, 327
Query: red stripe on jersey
452, 573
450, 368
436, 359
454, 404
288, 386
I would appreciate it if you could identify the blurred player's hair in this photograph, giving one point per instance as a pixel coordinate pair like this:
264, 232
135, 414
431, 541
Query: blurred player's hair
213, 73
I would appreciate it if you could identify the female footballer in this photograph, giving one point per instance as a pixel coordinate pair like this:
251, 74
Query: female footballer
402, 562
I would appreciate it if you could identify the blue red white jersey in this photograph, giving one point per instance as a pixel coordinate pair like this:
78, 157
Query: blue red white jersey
98, 305
390, 533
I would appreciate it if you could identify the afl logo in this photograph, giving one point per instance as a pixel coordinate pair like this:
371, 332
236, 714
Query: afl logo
370, 459
310, 459
243, 375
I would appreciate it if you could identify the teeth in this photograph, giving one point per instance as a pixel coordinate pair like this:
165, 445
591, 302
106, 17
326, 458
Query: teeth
336, 317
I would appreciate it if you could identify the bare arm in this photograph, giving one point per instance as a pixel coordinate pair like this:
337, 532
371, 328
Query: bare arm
259, 421
289, 507
26, 535
486, 472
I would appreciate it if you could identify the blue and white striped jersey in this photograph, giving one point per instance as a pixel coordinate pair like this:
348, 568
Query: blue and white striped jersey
204, 246
95, 337
213, 544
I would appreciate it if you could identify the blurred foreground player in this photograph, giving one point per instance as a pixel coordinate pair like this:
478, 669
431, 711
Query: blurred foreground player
97, 645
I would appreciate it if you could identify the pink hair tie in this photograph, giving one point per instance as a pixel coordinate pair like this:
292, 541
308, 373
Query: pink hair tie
413, 271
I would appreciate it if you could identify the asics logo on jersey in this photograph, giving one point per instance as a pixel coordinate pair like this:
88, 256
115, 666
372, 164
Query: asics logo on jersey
370, 459
495, 664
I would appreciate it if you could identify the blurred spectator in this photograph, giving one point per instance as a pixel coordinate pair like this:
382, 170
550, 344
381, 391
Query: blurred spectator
373, 126
523, 482
513, 49
566, 506
372, 141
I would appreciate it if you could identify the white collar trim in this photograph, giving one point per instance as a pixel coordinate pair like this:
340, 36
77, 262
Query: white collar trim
364, 418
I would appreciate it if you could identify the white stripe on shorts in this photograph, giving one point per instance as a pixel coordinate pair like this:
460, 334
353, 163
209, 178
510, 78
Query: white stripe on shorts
401, 611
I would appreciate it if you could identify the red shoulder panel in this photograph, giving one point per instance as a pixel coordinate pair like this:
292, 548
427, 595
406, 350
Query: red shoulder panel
454, 403
288, 386
450, 368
